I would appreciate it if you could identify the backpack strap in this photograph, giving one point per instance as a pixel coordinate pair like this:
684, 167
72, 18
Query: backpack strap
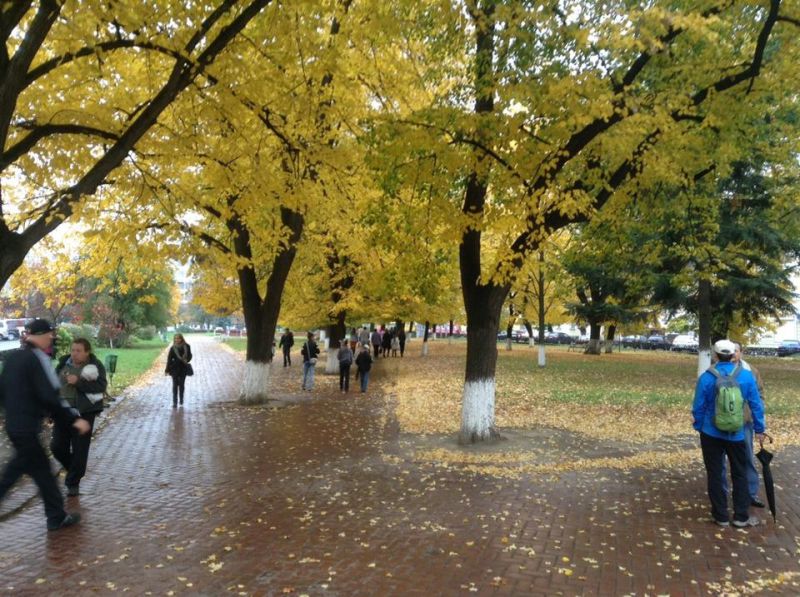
736, 370
714, 372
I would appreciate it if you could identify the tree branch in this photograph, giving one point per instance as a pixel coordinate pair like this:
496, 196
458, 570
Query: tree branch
39, 132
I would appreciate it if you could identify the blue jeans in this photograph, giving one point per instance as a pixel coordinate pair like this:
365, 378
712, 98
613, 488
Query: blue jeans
364, 380
750, 466
308, 375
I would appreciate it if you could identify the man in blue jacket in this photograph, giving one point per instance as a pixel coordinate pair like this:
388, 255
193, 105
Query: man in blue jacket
28, 391
717, 444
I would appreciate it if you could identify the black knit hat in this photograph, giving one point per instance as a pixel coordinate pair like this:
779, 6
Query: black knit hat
36, 327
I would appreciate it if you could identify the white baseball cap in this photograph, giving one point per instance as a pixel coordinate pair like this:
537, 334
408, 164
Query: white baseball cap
724, 347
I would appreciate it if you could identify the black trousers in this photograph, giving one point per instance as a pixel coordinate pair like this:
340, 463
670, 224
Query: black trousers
376, 350
344, 377
287, 359
178, 387
71, 449
714, 451
30, 459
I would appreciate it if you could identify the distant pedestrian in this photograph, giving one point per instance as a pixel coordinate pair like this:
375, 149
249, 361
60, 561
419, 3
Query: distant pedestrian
363, 336
310, 352
716, 443
286, 343
395, 345
179, 367
401, 336
28, 390
375, 338
386, 342
345, 356
363, 365
83, 385
353, 340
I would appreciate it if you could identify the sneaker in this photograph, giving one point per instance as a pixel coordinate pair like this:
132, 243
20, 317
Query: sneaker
73, 490
750, 522
757, 503
67, 521
722, 523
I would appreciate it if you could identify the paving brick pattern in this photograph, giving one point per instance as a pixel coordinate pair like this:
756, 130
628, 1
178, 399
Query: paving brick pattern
322, 498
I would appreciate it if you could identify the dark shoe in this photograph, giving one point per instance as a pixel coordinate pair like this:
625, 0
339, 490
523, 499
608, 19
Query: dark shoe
757, 503
68, 521
73, 490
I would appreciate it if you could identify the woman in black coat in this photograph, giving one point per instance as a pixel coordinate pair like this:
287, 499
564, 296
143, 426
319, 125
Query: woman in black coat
178, 367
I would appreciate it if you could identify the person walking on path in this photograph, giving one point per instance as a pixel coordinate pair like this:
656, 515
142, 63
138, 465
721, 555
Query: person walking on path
716, 444
345, 356
178, 367
386, 342
375, 338
83, 384
401, 336
310, 352
363, 336
286, 343
28, 390
363, 365
395, 345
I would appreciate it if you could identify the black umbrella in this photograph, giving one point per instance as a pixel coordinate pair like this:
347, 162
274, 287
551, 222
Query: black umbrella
765, 457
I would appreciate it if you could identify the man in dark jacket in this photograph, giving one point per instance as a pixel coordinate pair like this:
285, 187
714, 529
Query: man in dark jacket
83, 384
29, 390
286, 343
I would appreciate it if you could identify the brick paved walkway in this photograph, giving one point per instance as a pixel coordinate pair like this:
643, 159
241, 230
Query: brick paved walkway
322, 498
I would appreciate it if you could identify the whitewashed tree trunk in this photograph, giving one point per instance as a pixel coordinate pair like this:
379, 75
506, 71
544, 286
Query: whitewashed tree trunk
255, 382
508, 343
332, 363
531, 342
477, 410
425, 348
703, 361
542, 358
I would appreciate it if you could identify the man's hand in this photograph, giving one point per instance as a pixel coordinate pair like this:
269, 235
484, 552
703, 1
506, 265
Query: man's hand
72, 379
82, 425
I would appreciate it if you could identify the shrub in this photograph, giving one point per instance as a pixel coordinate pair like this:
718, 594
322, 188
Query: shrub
147, 332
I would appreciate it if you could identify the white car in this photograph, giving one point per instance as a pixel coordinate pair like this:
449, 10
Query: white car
684, 342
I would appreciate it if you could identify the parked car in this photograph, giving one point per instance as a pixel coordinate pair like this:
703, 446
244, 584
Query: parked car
656, 342
558, 338
684, 343
788, 348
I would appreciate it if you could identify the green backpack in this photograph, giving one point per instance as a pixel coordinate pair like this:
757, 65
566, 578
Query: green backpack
728, 401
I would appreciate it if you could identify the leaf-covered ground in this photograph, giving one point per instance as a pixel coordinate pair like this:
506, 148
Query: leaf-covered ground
630, 409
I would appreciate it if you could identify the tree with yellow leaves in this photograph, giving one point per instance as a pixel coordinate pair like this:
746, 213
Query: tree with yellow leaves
82, 82
570, 106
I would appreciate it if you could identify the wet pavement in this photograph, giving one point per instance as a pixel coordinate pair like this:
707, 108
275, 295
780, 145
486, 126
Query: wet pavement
325, 497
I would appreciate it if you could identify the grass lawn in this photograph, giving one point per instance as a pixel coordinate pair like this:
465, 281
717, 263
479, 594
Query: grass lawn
131, 362
239, 344
630, 396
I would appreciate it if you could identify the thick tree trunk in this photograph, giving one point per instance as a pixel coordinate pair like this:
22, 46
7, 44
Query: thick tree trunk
450, 333
612, 329
425, 339
509, 332
483, 322
594, 339
261, 317
704, 326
